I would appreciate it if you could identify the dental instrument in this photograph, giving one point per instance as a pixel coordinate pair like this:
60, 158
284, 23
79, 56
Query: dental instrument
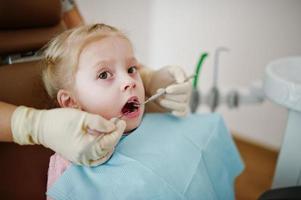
195, 96
162, 92
198, 69
233, 98
157, 95
214, 96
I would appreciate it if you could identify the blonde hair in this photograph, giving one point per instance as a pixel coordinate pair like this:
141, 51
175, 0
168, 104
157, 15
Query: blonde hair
62, 53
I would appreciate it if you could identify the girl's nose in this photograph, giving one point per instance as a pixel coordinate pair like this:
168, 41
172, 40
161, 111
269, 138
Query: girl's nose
130, 84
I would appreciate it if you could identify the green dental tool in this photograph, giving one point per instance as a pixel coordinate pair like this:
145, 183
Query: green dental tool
198, 69
195, 96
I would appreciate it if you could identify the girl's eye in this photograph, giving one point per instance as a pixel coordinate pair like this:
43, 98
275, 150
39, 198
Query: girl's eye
104, 75
132, 70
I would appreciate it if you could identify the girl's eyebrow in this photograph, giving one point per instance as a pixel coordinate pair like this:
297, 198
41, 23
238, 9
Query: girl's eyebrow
102, 63
132, 59
110, 62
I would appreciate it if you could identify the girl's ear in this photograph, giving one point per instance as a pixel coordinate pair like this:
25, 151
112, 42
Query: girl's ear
66, 99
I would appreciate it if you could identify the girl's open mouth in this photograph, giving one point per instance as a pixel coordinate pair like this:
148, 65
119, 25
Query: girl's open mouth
131, 107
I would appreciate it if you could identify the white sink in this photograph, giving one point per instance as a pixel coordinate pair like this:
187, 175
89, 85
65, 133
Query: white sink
283, 86
283, 82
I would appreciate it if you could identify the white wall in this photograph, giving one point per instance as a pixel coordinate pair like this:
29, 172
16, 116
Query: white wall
178, 31
132, 17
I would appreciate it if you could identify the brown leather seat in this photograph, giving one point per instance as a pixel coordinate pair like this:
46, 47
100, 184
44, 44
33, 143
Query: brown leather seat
25, 26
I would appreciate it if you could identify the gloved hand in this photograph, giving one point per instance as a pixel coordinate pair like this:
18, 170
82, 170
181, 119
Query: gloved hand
178, 92
82, 138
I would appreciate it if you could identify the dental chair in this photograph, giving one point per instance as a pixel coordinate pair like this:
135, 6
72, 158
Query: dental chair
25, 26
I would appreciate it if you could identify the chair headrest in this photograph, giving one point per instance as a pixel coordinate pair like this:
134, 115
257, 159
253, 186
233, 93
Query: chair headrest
27, 25
20, 14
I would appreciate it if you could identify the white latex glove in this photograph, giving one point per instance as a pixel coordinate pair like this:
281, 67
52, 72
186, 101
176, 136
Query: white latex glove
82, 138
178, 94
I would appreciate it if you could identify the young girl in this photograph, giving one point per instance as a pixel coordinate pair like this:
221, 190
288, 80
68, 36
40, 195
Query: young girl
93, 68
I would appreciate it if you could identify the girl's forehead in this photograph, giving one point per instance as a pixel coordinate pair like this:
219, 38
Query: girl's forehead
106, 51
106, 41
108, 47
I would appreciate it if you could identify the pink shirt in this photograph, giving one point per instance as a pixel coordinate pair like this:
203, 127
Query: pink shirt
57, 166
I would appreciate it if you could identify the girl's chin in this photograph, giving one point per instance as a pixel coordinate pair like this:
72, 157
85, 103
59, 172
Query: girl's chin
130, 128
132, 125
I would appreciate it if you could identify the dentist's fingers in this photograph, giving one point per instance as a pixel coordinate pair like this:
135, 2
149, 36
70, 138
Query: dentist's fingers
178, 73
94, 132
182, 88
175, 106
110, 140
180, 113
101, 156
104, 145
92, 151
177, 97
101, 160
98, 124
98, 152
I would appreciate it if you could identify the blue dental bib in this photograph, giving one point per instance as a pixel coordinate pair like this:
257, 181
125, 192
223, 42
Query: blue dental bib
165, 158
